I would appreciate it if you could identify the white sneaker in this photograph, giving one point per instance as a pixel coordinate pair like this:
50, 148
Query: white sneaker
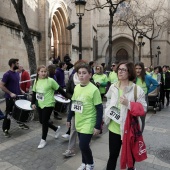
82, 167
89, 166
57, 132
66, 136
42, 144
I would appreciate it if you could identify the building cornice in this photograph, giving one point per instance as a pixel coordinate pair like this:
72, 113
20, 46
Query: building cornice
15, 26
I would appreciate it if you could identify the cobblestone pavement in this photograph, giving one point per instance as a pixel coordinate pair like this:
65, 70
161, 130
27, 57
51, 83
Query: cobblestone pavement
19, 152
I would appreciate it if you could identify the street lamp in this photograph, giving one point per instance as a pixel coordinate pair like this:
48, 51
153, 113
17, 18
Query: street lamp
140, 44
159, 52
80, 8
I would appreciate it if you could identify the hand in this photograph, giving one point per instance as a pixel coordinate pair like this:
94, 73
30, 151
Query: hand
27, 90
68, 124
96, 131
34, 106
124, 100
13, 95
98, 84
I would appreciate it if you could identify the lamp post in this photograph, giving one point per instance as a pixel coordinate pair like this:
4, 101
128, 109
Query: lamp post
80, 8
159, 52
140, 44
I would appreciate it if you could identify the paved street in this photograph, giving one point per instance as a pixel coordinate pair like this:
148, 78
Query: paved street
20, 151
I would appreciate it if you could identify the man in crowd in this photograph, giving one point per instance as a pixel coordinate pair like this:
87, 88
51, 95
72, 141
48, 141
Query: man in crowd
24, 79
60, 76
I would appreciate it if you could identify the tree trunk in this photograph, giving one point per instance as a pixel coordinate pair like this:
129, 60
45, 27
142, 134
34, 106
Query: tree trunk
150, 41
26, 36
133, 48
110, 38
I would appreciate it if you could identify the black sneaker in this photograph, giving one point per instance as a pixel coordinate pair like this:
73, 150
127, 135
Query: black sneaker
23, 126
7, 134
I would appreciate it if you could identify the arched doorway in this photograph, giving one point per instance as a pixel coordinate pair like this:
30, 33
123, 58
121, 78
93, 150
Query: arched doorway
121, 55
60, 37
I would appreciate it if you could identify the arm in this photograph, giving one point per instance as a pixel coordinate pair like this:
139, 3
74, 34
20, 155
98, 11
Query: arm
99, 109
153, 84
62, 92
69, 87
2, 86
33, 101
28, 83
70, 113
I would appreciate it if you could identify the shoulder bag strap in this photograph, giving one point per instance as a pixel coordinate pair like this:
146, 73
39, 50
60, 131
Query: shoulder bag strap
135, 92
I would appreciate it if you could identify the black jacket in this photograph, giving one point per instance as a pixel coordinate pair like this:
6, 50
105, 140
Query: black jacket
166, 81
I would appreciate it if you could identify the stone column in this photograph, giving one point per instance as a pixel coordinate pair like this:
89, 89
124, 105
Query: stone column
43, 19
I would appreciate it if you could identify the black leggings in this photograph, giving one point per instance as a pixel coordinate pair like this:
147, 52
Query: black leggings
84, 141
44, 116
115, 143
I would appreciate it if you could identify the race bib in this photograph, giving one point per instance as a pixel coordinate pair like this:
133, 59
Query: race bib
114, 114
77, 106
40, 96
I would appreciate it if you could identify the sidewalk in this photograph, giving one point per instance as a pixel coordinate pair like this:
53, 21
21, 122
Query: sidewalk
20, 151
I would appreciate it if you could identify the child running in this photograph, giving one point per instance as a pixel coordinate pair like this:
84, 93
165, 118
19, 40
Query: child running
43, 92
87, 105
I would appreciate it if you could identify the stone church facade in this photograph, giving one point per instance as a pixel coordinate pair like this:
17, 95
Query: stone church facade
50, 19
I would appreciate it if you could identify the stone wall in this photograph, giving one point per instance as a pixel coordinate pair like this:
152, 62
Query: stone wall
11, 42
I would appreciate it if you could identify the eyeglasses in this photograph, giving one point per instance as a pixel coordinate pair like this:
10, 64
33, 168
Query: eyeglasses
122, 70
113, 65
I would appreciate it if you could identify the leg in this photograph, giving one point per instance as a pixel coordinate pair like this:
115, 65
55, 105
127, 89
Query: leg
9, 108
73, 135
167, 97
84, 141
44, 116
114, 149
162, 96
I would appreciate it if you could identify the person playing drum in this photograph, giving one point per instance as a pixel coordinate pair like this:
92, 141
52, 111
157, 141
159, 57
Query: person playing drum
43, 92
10, 85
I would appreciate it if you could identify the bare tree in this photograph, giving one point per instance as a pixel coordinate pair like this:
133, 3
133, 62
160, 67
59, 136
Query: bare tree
153, 24
113, 7
144, 20
18, 5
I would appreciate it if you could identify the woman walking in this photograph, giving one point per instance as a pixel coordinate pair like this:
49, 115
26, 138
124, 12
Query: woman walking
120, 99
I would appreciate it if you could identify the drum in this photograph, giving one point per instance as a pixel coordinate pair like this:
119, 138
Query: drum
61, 103
22, 111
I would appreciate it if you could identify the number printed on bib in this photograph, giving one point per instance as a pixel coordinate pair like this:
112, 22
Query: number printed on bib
40, 96
114, 114
77, 106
